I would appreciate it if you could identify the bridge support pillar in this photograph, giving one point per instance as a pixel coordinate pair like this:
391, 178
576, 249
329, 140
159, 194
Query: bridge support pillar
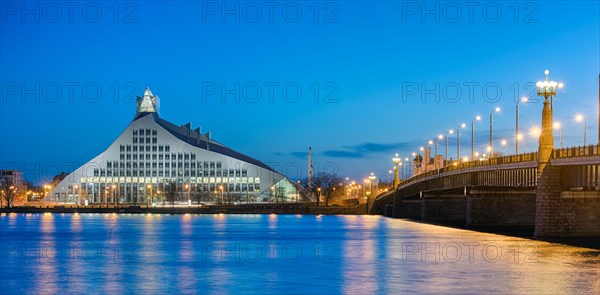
496, 209
565, 213
450, 208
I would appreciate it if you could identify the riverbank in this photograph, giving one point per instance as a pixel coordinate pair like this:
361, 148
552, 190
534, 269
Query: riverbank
293, 208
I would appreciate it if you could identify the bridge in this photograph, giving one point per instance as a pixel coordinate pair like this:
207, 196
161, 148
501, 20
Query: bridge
556, 192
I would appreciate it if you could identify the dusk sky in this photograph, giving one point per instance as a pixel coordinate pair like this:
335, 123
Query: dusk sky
376, 65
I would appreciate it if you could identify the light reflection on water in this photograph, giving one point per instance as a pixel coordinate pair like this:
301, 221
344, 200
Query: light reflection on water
111, 253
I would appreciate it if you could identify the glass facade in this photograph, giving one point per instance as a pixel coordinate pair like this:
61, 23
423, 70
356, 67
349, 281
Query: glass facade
145, 171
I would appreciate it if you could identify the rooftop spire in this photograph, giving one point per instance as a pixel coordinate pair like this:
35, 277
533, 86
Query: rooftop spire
147, 103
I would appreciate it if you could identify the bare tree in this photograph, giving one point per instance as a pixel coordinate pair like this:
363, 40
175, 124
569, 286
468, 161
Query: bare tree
171, 192
330, 185
200, 196
235, 197
8, 193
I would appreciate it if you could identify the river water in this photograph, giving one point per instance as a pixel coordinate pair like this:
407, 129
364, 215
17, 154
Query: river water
233, 254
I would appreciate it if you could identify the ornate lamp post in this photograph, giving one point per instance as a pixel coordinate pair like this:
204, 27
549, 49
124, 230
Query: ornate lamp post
396, 159
477, 118
546, 89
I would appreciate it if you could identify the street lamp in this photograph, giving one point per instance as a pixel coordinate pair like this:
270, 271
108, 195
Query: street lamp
477, 118
447, 137
346, 187
440, 137
497, 110
463, 125
521, 138
396, 159
318, 189
580, 118
524, 99
504, 142
429, 143
559, 127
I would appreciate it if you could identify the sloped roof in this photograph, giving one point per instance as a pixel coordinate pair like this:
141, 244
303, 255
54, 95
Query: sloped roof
200, 140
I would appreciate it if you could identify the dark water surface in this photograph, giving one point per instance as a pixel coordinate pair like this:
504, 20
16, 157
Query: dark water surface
232, 254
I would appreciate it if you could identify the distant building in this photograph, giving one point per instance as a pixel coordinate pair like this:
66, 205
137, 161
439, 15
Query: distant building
14, 177
153, 155
426, 163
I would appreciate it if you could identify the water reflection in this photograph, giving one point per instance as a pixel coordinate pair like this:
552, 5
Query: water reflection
111, 253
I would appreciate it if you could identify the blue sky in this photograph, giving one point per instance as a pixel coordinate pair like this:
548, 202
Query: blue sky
380, 63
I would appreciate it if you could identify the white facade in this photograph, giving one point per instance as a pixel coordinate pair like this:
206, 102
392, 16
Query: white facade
152, 156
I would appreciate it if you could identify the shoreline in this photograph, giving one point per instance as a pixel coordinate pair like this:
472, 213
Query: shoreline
237, 209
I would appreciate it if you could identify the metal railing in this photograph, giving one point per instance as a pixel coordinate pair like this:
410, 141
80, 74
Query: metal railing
576, 152
455, 166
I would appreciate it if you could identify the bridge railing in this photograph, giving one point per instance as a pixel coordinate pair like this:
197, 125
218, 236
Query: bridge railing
576, 152
510, 159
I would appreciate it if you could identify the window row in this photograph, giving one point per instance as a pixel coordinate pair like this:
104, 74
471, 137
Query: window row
146, 131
